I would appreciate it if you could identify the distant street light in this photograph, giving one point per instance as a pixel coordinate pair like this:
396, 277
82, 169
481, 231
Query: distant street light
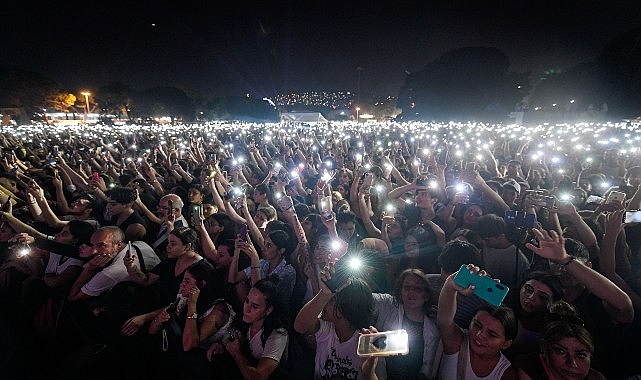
86, 94
357, 111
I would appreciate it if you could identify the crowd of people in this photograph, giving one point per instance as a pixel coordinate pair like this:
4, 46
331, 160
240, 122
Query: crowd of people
265, 251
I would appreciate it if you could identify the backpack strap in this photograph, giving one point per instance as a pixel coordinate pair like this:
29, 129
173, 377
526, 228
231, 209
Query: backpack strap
141, 259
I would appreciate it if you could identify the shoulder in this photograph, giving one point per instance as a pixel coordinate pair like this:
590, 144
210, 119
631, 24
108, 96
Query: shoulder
510, 373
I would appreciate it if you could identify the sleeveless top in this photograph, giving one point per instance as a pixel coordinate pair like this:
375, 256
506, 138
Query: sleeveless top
449, 365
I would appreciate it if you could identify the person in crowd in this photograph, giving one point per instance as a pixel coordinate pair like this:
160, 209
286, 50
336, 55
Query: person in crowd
477, 351
189, 325
421, 251
346, 226
410, 308
567, 349
501, 257
263, 329
335, 320
47, 270
278, 247
606, 309
166, 277
146, 192
455, 254
169, 217
121, 213
538, 290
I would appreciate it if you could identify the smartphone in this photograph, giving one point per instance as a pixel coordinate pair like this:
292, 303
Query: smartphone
421, 181
171, 309
170, 212
441, 157
485, 288
326, 208
615, 196
96, 176
631, 216
198, 215
129, 248
470, 166
342, 272
385, 343
53, 162
243, 232
7, 204
285, 202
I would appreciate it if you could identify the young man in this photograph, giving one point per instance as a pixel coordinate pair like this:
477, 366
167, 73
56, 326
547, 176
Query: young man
120, 213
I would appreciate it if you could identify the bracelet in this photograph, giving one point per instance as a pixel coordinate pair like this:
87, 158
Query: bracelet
193, 316
258, 267
565, 264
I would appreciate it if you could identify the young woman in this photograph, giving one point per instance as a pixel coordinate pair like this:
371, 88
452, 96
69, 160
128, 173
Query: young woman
259, 345
409, 309
335, 320
278, 246
538, 290
566, 351
195, 320
166, 277
476, 352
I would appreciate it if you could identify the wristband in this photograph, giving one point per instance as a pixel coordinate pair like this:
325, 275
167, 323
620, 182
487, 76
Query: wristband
193, 316
565, 264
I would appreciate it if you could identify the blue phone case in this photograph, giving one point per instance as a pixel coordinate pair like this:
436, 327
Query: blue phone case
485, 287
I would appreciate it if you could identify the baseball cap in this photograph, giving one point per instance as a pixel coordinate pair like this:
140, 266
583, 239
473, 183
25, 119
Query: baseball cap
513, 184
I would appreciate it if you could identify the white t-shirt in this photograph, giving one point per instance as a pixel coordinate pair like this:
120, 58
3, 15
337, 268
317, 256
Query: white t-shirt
54, 266
116, 272
275, 346
334, 358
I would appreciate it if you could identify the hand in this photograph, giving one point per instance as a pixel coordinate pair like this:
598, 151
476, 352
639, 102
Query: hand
215, 349
449, 282
613, 222
99, 261
132, 325
233, 347
551, 245
194, 293
129, 261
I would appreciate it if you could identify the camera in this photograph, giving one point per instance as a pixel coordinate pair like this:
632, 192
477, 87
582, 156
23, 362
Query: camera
519, 219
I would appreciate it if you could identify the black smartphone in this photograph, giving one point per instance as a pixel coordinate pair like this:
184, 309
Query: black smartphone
198, 215
243, 231
170, 212
441, 157
342, 272
7, 204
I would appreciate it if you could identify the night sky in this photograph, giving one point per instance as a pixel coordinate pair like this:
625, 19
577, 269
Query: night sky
269, 47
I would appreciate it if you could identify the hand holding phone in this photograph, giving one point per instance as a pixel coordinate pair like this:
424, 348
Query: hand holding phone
243, 232
485, 287
342, 273
385, 343
198, 215
326, 208
285, 202
170, 212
